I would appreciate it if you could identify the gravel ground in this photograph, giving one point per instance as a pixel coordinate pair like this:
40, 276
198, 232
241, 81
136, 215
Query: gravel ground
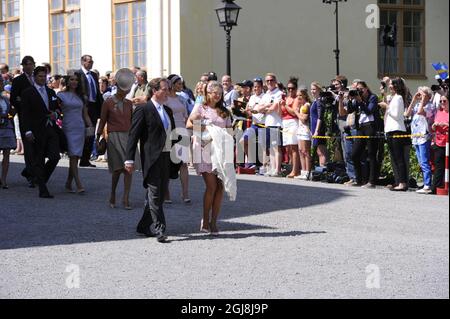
281, 239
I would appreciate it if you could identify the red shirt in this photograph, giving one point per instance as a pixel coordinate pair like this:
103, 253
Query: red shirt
441, 132
285, 115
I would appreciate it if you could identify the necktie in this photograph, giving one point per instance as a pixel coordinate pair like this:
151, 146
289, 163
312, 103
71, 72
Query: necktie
164, 119
44, 96
91, 86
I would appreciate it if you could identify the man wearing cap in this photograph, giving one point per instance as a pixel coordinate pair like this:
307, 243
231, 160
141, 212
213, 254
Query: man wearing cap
19, 85
152, 125
90, 84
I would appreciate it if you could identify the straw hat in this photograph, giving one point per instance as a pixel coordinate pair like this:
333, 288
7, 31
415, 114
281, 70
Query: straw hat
125, 79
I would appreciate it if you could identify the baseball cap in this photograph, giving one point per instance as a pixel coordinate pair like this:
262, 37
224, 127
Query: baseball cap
246, 83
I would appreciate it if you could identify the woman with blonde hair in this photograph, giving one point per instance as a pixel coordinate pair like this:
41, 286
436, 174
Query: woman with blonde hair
423, 112
304, 133
212, 111
317, 122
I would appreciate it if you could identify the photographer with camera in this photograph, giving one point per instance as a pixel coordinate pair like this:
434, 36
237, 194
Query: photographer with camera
345, 123
440, 89
365, 105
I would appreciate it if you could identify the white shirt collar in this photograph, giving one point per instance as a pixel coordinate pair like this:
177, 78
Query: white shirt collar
39, 87
84, 70
157, 104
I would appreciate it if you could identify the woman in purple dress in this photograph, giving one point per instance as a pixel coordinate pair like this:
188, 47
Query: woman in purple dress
7, 134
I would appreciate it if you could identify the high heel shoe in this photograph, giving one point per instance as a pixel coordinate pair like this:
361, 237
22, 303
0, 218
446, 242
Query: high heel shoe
214, 231
69, 189
203, 229
127, 206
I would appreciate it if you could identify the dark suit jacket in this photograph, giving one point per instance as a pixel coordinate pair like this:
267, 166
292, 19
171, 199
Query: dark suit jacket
35, 113
94, 111
148, 128
19, 84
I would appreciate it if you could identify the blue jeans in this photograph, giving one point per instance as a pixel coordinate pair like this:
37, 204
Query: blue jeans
423, 156
347, 145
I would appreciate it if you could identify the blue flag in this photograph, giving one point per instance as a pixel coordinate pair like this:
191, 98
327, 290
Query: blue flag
441, 69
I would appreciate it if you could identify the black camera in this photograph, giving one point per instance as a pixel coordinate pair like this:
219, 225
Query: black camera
354, 93
348, 130
384, 85
327, 99
331, 88
435, 88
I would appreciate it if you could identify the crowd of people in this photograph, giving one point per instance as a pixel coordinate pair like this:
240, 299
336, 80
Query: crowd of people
277, 130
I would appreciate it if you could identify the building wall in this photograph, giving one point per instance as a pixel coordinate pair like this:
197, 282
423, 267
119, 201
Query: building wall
296, 38
287, 37
96, 32
437, 35
34, 30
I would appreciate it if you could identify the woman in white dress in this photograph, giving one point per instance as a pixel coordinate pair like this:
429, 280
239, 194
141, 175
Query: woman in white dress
180, 113
75, 121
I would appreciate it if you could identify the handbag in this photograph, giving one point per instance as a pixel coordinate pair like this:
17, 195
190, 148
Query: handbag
101, 146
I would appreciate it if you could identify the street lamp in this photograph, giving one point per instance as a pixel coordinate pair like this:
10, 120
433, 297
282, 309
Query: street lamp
228, 15
336, 51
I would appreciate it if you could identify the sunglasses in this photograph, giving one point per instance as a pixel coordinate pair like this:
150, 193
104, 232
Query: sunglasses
270, 81
443, 101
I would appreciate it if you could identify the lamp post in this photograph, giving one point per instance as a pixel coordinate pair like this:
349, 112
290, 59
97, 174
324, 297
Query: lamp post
228, 15
336, 51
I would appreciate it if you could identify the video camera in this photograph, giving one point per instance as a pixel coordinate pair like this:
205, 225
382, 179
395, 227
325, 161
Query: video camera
327, 99
355, 93
444, 85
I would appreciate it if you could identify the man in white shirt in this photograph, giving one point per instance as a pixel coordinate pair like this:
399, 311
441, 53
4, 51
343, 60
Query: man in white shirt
152, 126
254, 135
270, 105
90, 84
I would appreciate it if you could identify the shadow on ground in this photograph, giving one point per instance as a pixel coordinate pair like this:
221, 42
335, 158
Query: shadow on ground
27, 221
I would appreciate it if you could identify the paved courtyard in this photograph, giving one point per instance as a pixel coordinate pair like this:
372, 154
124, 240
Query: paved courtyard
281, 239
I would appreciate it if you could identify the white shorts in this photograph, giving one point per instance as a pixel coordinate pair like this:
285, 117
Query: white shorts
290, 128
304, 133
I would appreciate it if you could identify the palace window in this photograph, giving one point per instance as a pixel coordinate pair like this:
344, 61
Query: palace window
10, 32
129, 33
407, 58
65, 37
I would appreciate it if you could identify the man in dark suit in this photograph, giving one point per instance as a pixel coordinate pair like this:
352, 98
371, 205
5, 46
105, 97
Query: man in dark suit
90, 85
40, 111
152, 125
19, 85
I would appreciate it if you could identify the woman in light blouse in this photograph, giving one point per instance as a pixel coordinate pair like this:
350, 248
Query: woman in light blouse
394, 125
423, 112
